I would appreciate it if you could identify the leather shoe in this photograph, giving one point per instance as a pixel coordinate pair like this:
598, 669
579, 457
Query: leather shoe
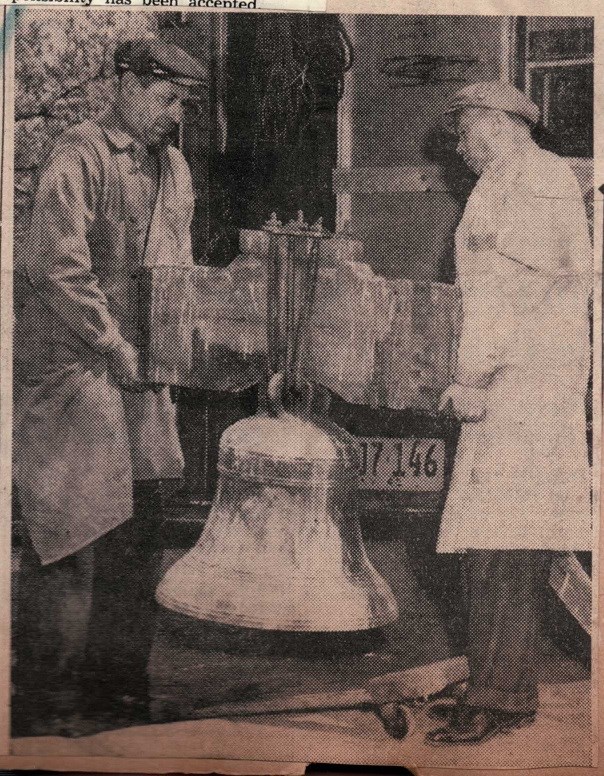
473, 725
441, 711
444, 702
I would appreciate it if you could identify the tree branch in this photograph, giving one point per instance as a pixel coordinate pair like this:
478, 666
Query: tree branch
45, 111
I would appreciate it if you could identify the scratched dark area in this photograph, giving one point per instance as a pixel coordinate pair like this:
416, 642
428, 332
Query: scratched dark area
303, 362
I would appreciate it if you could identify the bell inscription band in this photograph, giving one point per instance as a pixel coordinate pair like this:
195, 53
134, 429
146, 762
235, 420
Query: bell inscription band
282, 547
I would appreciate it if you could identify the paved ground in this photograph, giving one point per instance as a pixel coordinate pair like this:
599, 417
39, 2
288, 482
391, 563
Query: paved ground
560, 736
195, 666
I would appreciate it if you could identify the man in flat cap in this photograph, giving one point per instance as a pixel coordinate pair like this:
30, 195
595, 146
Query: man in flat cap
92, 438
521, 485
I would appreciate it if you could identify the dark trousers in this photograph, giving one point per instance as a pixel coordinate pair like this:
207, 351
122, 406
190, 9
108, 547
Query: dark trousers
84, 625
505, 603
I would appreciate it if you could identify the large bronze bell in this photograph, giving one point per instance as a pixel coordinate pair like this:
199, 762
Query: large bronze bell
282, 547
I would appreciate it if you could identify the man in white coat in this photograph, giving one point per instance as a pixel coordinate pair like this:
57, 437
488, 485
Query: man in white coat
521, 484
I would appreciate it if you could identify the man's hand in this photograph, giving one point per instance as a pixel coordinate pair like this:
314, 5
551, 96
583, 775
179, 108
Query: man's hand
124, 365
464, 401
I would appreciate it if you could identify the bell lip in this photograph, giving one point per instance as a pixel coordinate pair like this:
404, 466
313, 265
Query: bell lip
284, 625
355, 599
293, 627
360, 602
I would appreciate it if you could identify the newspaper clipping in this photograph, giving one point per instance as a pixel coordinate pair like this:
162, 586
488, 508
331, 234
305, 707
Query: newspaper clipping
301, 385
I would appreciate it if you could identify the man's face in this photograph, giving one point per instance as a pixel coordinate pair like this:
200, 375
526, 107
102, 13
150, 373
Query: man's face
476, 138
152, 110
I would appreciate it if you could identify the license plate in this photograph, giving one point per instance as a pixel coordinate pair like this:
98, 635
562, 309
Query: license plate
390, 463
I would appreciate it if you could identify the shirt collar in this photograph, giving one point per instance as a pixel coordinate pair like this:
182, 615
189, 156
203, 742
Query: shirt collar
512, 156
117, 135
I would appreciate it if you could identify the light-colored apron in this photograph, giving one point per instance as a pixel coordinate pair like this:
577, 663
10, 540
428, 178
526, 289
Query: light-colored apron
79, 440
521, 477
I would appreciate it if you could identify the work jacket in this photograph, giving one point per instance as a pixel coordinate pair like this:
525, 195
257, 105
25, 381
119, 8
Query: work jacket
524, 266
79, 440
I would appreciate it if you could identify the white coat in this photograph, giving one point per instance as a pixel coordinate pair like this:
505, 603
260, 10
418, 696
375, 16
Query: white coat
524, 266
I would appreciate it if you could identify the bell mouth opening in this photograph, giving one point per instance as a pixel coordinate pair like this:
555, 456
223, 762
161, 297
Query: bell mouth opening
331, 602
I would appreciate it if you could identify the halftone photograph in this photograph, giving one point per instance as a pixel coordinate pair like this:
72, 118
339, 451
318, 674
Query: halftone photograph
304, 459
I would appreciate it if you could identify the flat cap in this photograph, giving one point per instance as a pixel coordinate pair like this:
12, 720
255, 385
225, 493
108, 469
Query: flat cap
160, 60
497, 95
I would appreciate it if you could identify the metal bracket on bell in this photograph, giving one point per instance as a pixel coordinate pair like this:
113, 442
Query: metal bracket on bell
276, 389
296, 227
274, 393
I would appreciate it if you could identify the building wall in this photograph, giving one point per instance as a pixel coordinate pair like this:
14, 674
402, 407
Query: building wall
405, 189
